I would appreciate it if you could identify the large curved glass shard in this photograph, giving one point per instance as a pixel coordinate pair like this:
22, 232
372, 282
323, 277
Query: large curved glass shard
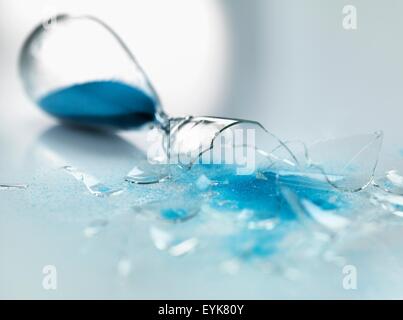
246, 145
190, 137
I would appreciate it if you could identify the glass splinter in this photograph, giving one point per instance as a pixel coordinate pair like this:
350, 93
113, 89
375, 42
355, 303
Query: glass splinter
392, 182
166, 241
183, 247
13, 186
94, 228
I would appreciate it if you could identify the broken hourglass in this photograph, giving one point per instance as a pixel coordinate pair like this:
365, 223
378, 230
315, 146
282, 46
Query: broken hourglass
78, 70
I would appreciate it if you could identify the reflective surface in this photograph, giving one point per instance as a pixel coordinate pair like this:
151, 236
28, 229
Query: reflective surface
275, 235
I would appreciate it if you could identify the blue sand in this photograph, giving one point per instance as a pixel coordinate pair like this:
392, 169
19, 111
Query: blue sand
262, 197
101, 103
175, 214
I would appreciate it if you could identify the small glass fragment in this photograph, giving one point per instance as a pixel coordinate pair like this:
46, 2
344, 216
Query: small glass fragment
230, 267
13, 186
124, 267
260, 175
94, 228
328, 218
161, 239
267, 224
178, 214
93, 185
392, 182
166, 241
177, 209
148, 174
203, 182
394, 177
183, 247
390, 202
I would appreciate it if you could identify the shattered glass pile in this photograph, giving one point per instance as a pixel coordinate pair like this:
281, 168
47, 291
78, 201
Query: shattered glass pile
299, 202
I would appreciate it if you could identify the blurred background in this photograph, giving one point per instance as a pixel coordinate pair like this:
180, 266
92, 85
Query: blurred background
289, 64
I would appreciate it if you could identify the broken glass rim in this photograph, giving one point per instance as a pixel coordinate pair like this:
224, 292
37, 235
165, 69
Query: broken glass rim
234, 123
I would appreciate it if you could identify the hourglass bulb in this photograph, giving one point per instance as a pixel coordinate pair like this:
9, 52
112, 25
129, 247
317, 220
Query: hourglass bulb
78, 70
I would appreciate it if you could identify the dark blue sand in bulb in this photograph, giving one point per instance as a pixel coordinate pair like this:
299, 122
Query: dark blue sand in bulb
101, 103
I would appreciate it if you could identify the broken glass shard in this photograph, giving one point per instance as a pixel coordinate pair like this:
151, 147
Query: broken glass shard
327, 218
266, 224
170, 210
94, 228
203, 182
178, 214
183, 247
392, 182
124, 267
208, 140
164, 240
390, 202
13, 186
148, 173
161, 239
93, 185
352, 160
